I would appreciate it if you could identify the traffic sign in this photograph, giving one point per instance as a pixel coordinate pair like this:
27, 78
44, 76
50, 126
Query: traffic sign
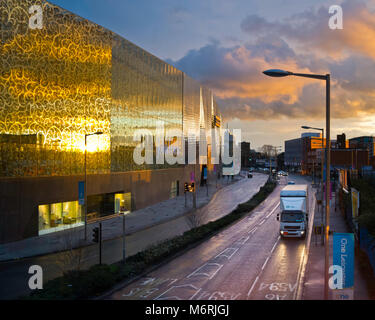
81, 193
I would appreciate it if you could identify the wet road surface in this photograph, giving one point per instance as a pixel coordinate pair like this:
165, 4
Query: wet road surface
247, 261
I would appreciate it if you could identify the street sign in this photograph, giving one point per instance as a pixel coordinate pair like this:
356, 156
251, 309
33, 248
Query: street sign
81, 193
316, 143
343, 256
205, 173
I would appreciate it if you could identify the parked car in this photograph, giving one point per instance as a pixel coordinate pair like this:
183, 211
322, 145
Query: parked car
291, 182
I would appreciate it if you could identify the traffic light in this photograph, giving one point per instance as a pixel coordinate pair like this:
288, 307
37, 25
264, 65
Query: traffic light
192, 187
95, 234
186, 187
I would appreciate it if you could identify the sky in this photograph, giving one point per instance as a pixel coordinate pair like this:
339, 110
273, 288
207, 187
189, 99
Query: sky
227, 44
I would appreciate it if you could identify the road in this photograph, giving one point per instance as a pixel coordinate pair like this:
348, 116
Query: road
247, 261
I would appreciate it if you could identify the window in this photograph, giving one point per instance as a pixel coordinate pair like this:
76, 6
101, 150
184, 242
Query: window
59, 216
122, 202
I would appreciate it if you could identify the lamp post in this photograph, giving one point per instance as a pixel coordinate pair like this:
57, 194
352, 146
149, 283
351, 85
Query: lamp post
327, 79
87, 135
276, 149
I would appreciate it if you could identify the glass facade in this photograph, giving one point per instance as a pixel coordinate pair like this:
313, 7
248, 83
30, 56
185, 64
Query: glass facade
73, 77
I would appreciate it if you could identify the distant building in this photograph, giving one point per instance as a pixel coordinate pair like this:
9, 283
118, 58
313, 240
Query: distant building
367, 143
293, 153
245, 154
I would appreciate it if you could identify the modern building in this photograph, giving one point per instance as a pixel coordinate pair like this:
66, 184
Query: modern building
64, 81
245, 155
364, 142
293, 153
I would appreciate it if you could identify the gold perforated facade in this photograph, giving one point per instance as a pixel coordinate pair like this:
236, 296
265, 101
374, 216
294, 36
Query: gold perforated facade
63, 77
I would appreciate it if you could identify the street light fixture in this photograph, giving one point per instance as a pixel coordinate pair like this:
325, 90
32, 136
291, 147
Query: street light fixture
87, 135
327, 78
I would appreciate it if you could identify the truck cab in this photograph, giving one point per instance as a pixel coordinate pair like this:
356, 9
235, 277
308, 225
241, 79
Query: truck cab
294, 211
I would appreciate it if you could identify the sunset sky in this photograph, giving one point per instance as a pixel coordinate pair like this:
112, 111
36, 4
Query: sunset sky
227, 44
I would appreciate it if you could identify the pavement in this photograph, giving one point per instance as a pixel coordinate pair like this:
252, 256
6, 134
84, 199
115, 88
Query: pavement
313, 288
144, 228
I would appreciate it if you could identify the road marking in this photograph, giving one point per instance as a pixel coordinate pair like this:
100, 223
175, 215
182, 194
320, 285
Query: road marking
265, 263
301, 272
252, 287
207, 274
243, 241
274, 246
175, 297
231, 250
272, 211
253, 230
263, 221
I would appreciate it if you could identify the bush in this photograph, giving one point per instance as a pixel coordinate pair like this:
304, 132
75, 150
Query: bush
95, 281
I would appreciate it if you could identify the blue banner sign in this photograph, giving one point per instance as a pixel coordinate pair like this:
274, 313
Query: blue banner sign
81, 193
343, 256
205, 173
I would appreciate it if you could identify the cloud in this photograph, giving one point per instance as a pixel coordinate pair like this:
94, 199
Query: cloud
309, 29
304, 43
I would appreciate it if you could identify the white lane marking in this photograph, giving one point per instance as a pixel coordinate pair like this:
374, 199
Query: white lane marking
192, 297
274, 246
301, 274
265, 263
206, 274
229, 254
253, 230
244, 240
252, 287
272, 211
263, 221
175, 297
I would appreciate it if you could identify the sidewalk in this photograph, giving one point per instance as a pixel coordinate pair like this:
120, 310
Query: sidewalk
136, 221
313, 288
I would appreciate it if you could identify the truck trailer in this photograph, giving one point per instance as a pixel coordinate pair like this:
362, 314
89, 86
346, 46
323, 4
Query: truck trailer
294, 213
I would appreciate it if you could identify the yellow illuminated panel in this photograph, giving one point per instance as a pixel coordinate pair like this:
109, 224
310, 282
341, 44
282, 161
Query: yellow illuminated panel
55, 85
73, 77
316, 143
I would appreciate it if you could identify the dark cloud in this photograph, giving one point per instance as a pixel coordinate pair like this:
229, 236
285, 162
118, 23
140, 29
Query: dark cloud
243, 92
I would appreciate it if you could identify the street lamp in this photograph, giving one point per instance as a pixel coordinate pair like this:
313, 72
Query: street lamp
327, 78
87, 135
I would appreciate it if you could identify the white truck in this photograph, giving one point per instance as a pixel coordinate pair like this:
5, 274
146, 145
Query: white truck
294, 213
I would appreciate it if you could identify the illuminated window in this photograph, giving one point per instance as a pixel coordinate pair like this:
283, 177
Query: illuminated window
122, 202
59, 216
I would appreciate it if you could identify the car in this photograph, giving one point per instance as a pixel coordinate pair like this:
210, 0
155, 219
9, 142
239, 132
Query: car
249, 175
285, 174
291, 182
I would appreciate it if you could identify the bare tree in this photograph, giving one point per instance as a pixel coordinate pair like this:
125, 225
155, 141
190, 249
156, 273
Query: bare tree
71, 258
267, 150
